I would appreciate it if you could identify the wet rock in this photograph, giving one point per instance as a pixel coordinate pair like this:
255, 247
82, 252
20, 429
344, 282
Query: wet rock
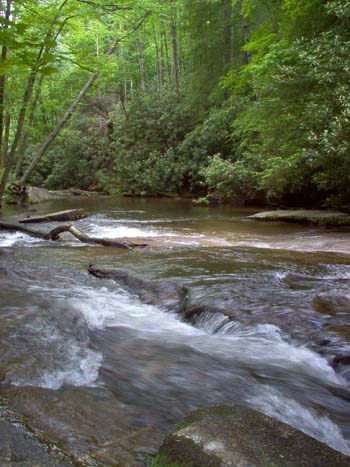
192, 312
331, 304
94, 427
19, 448
165, 293
240, 437
327, 218
340, 360
38, 195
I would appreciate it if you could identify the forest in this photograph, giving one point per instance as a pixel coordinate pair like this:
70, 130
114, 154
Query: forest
245, 101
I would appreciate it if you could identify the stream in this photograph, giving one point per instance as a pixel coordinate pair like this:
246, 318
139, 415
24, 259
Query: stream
105, 377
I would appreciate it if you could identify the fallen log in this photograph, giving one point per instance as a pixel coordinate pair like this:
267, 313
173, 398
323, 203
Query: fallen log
20, 228
55, 233
69, 215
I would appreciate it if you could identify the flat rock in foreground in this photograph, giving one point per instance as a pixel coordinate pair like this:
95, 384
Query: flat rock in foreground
240, 437
328, 218
18, 448
70, 215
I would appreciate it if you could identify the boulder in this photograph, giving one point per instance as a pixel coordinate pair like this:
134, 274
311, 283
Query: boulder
241, 437
38, 195
327, 218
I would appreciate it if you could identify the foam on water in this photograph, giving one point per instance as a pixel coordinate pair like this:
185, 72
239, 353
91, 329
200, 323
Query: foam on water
124, 231
104, 308
273, 403
15, 238
82, 371
309, 244
259, 350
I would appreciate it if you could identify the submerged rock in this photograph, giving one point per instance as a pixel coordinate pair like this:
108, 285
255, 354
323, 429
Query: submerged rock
165, 293
240, 437
327, 218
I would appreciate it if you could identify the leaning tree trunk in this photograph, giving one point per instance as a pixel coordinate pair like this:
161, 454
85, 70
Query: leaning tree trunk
25, 102
24, 143
3, 58
52, 136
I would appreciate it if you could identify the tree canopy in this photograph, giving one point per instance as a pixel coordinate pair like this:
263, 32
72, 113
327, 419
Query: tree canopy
246, 99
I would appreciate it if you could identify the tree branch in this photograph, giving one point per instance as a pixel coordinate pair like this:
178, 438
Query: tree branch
54, 235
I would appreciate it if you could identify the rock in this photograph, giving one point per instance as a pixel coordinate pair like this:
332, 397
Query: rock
165, 293
37, 195
240, 437
19, 448
70, 215
340, 360
327, 218
191, 312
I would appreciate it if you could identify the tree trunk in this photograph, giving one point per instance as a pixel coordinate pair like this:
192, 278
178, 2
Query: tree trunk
52, 136
24, 144
157, 61
174, 42
3, 58
26, 98
142, 64
6, 138
22, 114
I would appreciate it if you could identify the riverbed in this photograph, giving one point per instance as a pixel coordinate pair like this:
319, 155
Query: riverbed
105, 376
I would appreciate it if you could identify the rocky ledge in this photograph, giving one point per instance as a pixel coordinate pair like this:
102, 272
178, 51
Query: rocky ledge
327, 218
39, 195
240, 437
20, 448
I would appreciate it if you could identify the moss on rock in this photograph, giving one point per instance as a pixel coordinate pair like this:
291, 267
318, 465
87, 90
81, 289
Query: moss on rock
240, 437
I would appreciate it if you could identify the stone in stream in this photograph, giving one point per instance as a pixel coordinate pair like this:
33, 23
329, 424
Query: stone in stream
38, 195
165, 293
19, 448
191, 312
318, 217
241, 437
69, 215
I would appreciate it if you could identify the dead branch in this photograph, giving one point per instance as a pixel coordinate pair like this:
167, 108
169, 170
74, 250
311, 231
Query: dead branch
54, 235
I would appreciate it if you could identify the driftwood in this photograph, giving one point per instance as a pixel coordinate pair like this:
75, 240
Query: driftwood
54, 235
70, 215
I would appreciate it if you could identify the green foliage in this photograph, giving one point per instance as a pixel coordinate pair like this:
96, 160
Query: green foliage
245, 98
146, 159
163, 461
294, 127
230, 179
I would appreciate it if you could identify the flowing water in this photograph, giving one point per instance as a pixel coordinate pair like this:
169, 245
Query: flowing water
105, 376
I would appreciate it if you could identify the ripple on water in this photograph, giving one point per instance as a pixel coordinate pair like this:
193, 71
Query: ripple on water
86, 338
